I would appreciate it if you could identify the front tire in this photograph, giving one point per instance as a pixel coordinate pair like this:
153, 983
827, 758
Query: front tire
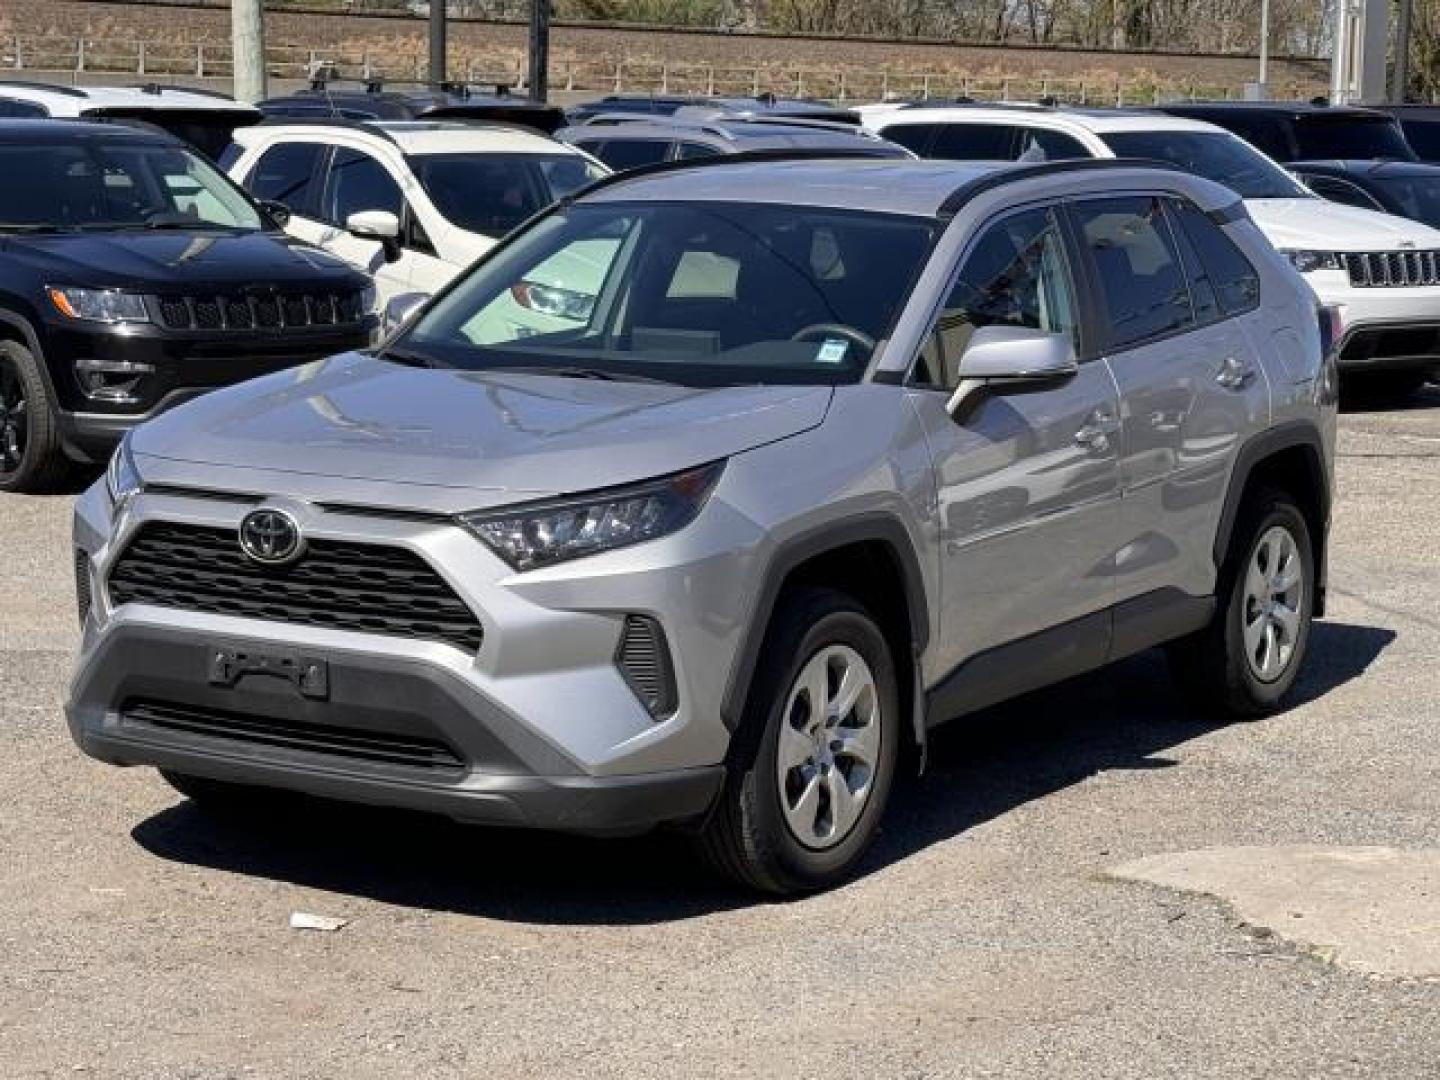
815, 753
1248, 658
31, 457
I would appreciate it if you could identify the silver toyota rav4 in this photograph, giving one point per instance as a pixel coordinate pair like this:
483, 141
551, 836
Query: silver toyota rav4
810, 456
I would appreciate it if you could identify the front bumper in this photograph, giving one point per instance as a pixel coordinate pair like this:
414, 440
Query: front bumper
174, 367
538, 727
1385, 329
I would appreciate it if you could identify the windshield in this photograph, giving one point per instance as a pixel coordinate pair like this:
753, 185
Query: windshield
1217, 156
1343, 137
493, 193
703, 294
1416, 197
91, 184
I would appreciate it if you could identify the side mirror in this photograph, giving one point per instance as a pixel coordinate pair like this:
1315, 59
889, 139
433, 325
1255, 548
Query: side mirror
400, 309
278, 212
1011, 357
379, 225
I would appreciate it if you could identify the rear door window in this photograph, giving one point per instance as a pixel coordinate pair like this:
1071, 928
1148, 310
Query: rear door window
285, 173
623, 154
1341, 191
686, 151
1141, 277
1040, 144
975, 142
1324, 136
1423, 137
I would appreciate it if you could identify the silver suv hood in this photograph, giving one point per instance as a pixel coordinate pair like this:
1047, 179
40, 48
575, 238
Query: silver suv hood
353, 418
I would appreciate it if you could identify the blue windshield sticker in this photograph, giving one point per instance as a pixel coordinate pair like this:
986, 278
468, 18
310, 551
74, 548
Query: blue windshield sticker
832, 351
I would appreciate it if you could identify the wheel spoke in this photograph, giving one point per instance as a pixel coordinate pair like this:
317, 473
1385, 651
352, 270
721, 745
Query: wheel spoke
806, 808
1269, 656
844, 806
853, 683
815, 684
1288, 621
1257, 582
795, 747
1255, 635
1289, 575
861, 744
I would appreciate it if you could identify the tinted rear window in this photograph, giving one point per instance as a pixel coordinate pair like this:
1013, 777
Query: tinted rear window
1351, 137
1214, 155
974, 142
1423, 137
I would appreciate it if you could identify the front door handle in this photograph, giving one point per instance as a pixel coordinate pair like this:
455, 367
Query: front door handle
1234, 374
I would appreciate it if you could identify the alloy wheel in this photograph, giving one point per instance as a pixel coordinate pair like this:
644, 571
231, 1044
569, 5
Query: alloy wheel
829, 747
14, 419
1274, 600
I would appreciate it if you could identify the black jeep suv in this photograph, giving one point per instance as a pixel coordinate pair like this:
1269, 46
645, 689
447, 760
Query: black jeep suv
134, 275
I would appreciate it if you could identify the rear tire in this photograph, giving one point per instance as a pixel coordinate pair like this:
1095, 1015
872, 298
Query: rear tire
814, 756
1247, 659
31, 457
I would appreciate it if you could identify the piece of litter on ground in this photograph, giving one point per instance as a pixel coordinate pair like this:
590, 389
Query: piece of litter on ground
303, 920
97, 890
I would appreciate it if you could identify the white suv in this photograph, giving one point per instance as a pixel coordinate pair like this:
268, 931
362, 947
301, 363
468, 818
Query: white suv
1381, 272
411, 202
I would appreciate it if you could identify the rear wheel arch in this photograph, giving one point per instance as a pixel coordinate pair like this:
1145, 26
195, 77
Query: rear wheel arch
871, 559
1289, 458
20, 329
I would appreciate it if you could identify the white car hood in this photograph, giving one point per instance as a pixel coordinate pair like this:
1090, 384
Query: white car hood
1318, 225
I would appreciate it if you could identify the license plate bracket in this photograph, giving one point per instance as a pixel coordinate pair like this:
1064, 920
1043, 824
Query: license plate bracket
308, 674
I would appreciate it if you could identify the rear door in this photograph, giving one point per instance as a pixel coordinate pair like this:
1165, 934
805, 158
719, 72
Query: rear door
1190, 387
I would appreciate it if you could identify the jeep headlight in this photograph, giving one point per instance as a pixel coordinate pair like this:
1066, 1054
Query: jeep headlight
98, 305
122, 478
1307, 262
541, 533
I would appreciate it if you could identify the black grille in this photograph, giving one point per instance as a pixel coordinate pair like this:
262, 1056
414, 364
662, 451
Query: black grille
337, 584
1392, 269
644, 659
1394, 343
262, 310
378, 746
82, 585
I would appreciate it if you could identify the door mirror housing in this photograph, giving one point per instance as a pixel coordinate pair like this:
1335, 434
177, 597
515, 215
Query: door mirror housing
400, 309
1012, 357
277, 211
379, 225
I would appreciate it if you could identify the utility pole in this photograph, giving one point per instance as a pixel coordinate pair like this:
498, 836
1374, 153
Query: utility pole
247, 42
1400, 78
439, 65
540, 49
1265, 48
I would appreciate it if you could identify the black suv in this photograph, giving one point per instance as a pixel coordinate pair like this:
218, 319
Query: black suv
134, 275
1303, 131
372, 100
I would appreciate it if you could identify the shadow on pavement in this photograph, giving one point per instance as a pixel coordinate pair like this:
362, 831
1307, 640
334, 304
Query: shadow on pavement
980, 768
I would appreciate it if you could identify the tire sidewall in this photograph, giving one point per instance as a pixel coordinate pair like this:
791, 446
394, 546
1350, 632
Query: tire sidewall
797, 865
1267, 515
38, 422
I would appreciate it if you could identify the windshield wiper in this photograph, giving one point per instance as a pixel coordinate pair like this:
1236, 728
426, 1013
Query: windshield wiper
8, 227
576, 372
407, 358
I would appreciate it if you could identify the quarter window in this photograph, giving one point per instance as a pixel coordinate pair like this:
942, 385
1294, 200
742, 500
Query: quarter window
284, 174
358, 182
1039, 144
1341, 191
1139, 268
914, 137
623, 154
1016, 275
1237, 286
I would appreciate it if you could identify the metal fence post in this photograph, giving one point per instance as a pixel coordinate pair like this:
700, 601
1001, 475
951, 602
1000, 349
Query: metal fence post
755, 82
80, 54
619, 68
199, 61
140, 58
664, 78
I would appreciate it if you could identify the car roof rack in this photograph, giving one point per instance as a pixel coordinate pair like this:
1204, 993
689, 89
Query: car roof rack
198, 91
369, 126
969, 190
741, 157
53, 88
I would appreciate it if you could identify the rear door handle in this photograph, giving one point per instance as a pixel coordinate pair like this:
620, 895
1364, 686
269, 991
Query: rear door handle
1096, 432
1234, 374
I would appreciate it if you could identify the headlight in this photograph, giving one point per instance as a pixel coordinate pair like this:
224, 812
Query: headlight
99, 305
1307, 262
121, 477
555, 301
542, 533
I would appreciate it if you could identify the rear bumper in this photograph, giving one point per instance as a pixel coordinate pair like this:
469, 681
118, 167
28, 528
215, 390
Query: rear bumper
261, 730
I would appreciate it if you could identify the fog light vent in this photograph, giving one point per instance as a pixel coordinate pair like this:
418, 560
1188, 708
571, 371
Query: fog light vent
82, 585
644, 660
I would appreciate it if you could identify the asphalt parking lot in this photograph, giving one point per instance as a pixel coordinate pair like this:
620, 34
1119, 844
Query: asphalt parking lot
987, 937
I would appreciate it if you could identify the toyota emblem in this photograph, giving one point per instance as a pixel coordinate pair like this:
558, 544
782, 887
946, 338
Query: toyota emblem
270, 537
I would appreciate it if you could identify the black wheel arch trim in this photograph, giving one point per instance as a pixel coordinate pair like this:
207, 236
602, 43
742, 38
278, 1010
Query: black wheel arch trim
32, 342
876, 526
1287, 436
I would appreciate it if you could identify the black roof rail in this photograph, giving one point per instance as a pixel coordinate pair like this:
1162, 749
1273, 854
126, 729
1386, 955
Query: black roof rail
969, 190
54, 88
370, 126
742, 157
198, 91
